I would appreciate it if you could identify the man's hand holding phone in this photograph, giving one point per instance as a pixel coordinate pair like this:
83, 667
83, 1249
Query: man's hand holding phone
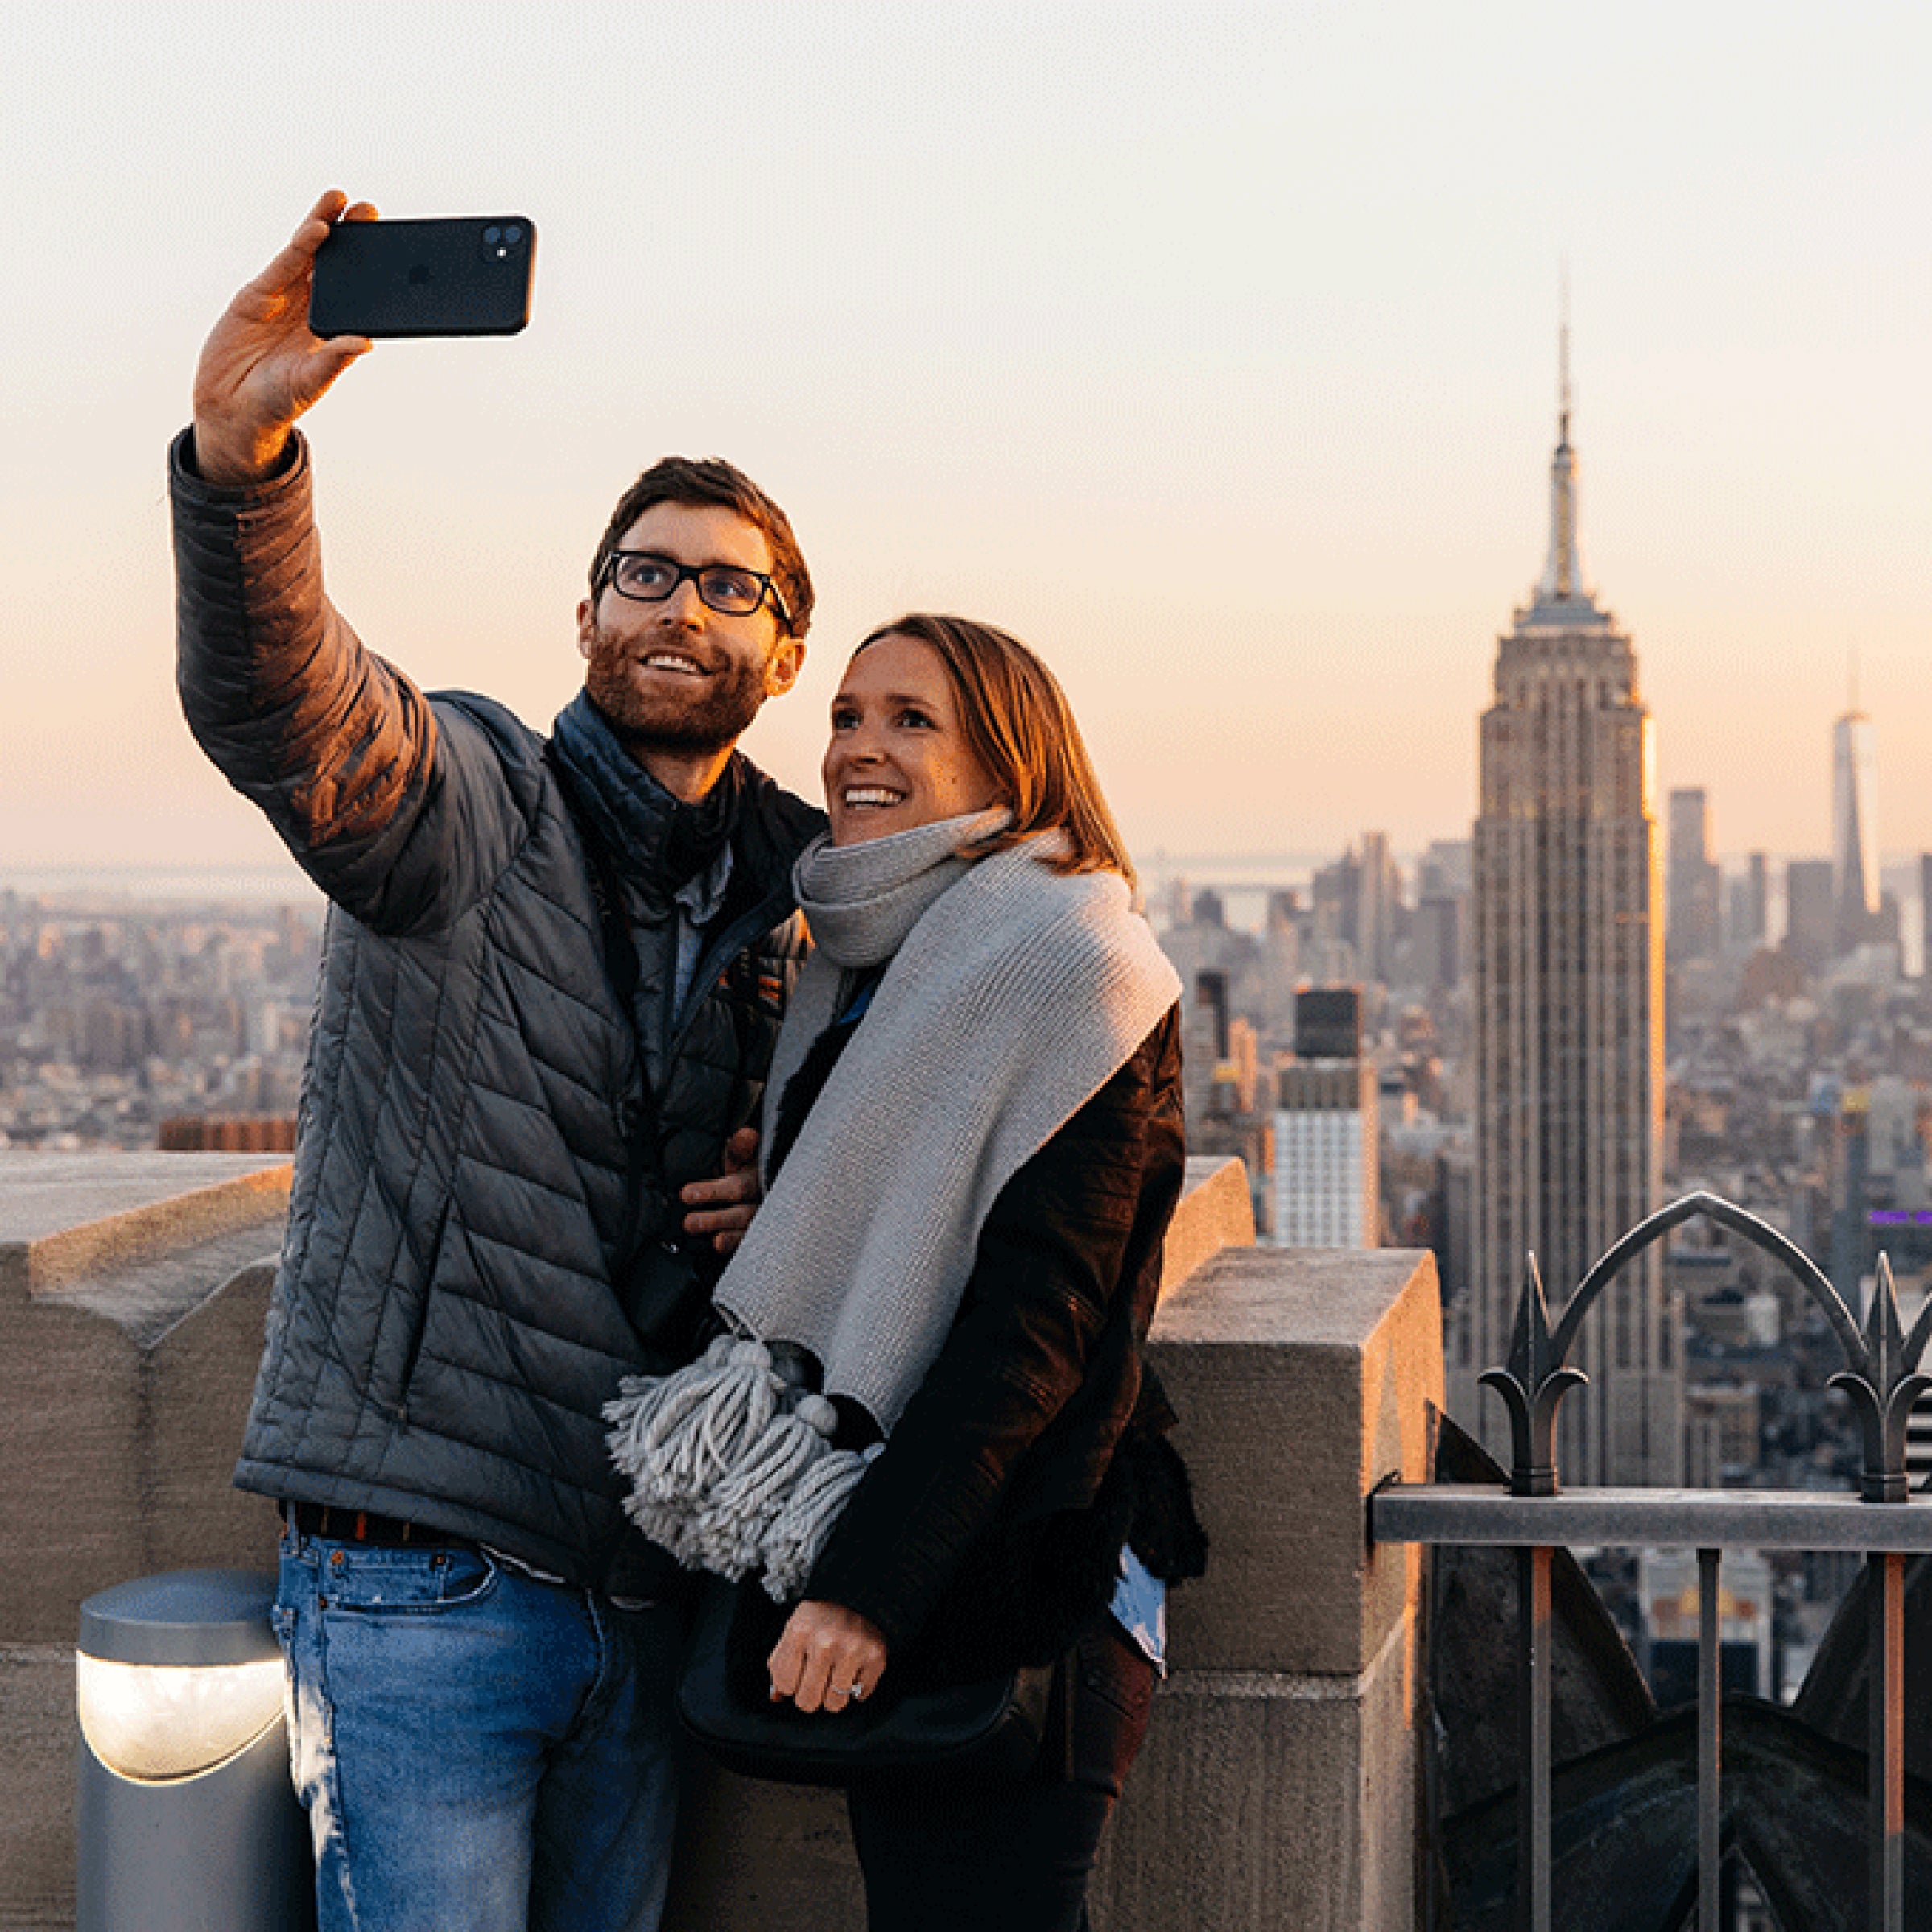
262, 366
344, 277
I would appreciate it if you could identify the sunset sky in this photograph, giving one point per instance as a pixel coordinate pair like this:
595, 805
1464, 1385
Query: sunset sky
1213, 349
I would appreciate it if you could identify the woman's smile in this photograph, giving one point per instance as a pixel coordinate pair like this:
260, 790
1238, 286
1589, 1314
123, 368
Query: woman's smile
899, 756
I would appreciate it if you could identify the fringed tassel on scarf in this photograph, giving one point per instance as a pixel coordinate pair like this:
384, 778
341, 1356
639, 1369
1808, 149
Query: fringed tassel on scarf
729, 1530
674, 1436
718, 1453
677, 1433
798, 1532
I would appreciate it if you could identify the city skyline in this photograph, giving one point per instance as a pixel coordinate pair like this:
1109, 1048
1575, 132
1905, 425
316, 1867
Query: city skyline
1208, 347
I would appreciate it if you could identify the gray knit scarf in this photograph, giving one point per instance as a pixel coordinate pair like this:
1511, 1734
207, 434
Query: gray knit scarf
1014, 993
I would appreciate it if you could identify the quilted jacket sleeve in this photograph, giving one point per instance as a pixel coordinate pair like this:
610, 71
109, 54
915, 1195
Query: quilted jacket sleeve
1042, 1307
402, 819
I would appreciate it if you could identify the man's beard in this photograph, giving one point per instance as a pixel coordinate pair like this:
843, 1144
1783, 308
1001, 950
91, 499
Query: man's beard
711, 716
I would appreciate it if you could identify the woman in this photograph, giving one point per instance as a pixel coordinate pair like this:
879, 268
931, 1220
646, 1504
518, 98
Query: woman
943, 1438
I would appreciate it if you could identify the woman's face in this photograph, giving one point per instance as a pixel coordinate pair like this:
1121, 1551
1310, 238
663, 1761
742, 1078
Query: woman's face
898, 757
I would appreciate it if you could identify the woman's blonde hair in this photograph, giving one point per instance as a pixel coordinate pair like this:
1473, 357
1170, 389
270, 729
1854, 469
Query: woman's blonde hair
1022, 729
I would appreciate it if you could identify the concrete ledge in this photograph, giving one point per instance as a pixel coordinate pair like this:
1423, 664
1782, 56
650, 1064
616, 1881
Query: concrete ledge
1216, 1212
38, 1733
71, 1218
119, 1464
1277, 1787
134, 1291
1265, 1800
1303, 1378
200, 1379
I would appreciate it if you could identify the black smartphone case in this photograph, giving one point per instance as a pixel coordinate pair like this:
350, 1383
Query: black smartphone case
464, 275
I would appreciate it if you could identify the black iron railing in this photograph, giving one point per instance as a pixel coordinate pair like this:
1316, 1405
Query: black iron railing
1533, 1514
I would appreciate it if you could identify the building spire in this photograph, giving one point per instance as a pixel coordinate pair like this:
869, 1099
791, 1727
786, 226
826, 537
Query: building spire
1562, 578
1562, 355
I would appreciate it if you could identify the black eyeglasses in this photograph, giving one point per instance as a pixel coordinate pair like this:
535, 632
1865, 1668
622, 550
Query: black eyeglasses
727, 588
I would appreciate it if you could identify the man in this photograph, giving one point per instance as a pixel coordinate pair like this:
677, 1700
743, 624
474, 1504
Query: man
551, 977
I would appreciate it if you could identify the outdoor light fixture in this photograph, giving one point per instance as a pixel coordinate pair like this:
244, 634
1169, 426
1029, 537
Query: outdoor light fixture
153, 1723
188, 1817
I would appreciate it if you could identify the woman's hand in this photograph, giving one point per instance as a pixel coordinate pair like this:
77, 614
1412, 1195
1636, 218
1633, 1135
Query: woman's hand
828, 1658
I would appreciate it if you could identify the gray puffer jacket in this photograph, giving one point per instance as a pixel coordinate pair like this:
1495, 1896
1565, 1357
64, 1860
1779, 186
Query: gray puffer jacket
482, 1237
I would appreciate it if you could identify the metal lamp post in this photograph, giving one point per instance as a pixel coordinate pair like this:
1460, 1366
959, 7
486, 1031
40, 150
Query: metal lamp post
187, 1818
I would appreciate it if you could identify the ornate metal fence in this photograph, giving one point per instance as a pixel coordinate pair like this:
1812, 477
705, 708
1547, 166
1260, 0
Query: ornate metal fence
1533, 1514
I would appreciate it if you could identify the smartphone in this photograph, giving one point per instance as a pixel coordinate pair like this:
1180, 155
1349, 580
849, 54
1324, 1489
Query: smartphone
461, 275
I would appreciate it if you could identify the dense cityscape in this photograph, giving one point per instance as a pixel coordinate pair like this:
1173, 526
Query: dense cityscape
123, 1020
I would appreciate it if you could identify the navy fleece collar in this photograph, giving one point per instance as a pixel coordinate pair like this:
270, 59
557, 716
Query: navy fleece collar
658, 843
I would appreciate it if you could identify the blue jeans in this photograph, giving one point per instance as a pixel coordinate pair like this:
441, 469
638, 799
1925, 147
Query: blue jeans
478, 1750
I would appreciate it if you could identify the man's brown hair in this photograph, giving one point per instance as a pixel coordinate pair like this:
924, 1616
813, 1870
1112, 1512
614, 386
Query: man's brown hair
712, 479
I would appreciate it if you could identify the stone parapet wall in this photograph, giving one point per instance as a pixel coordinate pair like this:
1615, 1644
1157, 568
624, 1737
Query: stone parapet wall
133, 1292
1281, 1783
1278, 1786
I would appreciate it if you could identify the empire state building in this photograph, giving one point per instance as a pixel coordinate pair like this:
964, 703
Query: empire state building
1569, 1018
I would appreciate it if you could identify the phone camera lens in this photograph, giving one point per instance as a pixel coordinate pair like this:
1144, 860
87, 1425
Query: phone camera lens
493, 234
514, 233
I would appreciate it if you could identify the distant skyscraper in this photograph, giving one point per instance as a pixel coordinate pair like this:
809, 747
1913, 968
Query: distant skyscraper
1752, 907
1328, 1183
1381, 896
1855, 877
1810, 921
1203, 1042
1440, 923
1693, 878
1568, 946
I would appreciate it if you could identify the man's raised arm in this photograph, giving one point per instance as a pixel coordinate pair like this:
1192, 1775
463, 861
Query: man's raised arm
396, 820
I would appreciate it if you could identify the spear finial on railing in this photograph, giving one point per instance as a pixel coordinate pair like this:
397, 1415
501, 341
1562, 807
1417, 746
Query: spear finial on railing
1531, 1387
1882, 1389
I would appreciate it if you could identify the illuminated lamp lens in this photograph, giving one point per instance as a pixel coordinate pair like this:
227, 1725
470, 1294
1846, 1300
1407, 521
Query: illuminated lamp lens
157, 1723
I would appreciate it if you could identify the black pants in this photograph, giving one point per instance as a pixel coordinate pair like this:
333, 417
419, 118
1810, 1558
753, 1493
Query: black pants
1017, 1860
